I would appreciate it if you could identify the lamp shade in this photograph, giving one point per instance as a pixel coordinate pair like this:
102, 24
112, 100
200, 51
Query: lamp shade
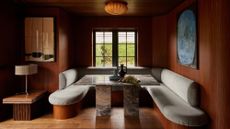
22, 70
26, 69
116, 7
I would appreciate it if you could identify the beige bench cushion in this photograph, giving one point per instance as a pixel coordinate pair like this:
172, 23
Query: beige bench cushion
176, 109
69, 95
67, 78
186, 88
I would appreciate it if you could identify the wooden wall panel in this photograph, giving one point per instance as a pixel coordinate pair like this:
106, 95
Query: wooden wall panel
214, 54
85, 25
213, 72
8, 50
47, 77
8, 33
65, 41
159, 42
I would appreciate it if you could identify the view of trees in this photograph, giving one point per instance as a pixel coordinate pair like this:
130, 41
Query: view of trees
104, 48
104, 54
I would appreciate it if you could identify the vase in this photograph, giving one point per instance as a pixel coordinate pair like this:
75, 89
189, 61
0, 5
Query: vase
122, 72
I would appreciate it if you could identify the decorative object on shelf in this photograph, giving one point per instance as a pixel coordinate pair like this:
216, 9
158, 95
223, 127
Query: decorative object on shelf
122, 70
187, 37
116, 7
39, 39
115, 76
26, 70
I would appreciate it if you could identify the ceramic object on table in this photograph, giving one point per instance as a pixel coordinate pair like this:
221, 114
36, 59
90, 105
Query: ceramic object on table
122, 70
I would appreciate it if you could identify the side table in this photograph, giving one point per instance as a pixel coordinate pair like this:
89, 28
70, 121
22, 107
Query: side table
23, 105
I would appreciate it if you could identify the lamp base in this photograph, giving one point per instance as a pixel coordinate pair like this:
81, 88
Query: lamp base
27, 93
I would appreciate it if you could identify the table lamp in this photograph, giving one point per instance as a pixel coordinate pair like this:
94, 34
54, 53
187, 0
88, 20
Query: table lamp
26, 70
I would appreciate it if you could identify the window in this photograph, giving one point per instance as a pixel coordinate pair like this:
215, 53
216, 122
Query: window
112, 48
103, 48
126, 48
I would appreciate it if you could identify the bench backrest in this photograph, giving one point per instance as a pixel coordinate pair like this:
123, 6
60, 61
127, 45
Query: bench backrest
94, 70
156, 73
185, 88
67, 78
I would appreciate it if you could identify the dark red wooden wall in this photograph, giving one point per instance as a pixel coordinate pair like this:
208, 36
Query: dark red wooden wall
8, 52
47, 77
83, 36
214, 52
156, 47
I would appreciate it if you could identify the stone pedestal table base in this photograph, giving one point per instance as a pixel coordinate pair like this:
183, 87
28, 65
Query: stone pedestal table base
103, 100
131, 100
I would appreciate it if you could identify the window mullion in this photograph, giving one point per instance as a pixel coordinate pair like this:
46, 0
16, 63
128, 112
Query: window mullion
115, 48
94, 48
135, 62
126, 49
104, 47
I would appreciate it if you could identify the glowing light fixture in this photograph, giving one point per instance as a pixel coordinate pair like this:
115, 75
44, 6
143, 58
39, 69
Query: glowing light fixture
116, 7
26, 70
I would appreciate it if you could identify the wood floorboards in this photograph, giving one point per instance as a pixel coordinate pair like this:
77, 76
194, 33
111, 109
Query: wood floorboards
87, 119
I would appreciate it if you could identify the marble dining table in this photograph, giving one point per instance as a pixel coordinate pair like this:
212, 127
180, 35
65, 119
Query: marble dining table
104, 87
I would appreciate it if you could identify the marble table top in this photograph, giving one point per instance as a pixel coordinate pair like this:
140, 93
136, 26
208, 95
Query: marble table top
145, 79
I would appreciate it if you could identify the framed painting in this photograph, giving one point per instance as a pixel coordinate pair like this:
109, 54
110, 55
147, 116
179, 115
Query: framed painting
187, 37
39, 39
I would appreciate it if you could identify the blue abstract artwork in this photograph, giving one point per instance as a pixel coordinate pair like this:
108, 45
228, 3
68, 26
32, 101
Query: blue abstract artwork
187, 38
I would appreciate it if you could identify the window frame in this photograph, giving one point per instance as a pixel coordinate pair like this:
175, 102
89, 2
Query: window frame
115, 44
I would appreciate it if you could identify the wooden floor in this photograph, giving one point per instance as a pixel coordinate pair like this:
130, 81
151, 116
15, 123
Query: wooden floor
87, 120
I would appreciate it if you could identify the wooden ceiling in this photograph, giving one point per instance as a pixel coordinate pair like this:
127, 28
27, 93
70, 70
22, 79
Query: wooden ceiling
96, 7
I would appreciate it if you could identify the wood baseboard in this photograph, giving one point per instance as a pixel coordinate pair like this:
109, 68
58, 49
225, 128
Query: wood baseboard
66, 111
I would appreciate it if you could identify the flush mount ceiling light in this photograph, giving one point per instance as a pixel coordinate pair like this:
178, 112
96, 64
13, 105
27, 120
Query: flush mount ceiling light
116, 7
